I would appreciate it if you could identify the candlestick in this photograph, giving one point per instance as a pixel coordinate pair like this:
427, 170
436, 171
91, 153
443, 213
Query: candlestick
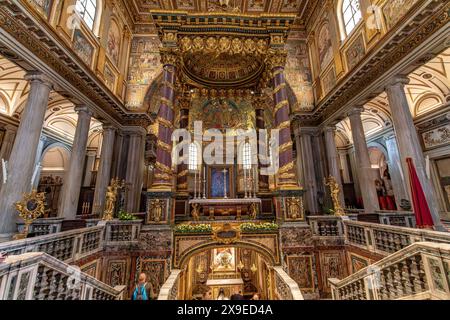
199, 183
255, 170
195, 184
225, 183
245, 185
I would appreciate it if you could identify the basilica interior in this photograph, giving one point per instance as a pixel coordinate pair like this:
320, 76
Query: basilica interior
98, 186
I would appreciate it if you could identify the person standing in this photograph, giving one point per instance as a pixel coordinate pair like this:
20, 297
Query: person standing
143, 289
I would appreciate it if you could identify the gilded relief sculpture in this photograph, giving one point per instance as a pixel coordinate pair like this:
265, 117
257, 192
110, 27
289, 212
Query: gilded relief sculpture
335, 191
294, 208
111, 198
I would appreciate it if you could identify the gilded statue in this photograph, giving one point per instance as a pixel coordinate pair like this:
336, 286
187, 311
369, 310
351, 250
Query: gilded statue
30, 208
156, 211
294, 208
253, 210
335, 191
196, 211
111, 197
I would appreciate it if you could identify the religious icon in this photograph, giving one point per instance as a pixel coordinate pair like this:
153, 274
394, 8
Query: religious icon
157, 206
294, 208
196, 211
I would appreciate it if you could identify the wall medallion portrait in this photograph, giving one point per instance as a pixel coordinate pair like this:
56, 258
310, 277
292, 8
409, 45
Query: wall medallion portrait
325, 46
83, 47
113, 43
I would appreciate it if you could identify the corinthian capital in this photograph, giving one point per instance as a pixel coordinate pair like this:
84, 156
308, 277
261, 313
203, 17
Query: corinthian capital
169, 56
276, 58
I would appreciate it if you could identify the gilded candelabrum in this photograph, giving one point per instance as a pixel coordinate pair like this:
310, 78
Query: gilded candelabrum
111, 198
30, 208
335, 191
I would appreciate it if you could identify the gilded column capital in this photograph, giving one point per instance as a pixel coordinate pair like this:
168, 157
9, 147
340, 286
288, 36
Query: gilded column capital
169, 56
276, 58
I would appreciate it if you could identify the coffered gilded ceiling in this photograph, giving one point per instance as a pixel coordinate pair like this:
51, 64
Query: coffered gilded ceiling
141, 8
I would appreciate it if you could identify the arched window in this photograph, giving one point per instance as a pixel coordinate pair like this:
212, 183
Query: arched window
351, 15
193, 156
87, 10
247, 156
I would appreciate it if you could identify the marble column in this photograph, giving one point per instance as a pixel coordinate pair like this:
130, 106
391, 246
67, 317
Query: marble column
308, 169
163, 167
333, 160
408, 143
366, 174
23, 153
395, 170
135, 169
37, 163
182, 168
72, 179
104, 169
286, 174
344, 166
91, 155
7, 144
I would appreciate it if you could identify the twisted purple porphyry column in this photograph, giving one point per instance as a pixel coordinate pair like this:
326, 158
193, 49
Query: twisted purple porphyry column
260, 125
286, 174
163, 167
182, 168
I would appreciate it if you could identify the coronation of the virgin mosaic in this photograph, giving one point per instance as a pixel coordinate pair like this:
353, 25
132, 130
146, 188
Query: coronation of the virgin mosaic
224, 150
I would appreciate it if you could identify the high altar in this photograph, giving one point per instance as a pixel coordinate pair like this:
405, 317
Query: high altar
230, 83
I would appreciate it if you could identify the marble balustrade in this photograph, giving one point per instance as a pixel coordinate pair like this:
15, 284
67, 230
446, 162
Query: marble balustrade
417, 272
39, 276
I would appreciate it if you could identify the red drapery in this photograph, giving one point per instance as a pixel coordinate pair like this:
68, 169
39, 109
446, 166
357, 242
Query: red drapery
420, 205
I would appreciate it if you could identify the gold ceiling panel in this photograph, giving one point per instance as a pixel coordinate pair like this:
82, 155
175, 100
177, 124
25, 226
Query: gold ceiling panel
299, 7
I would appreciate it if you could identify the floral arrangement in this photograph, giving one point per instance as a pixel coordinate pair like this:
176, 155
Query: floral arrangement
125, 216
193, 228
258, 227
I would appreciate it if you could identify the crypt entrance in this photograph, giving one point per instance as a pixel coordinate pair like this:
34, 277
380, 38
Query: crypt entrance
230, 268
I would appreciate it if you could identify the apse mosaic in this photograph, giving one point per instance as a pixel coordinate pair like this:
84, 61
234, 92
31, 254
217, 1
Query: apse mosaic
222, 113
